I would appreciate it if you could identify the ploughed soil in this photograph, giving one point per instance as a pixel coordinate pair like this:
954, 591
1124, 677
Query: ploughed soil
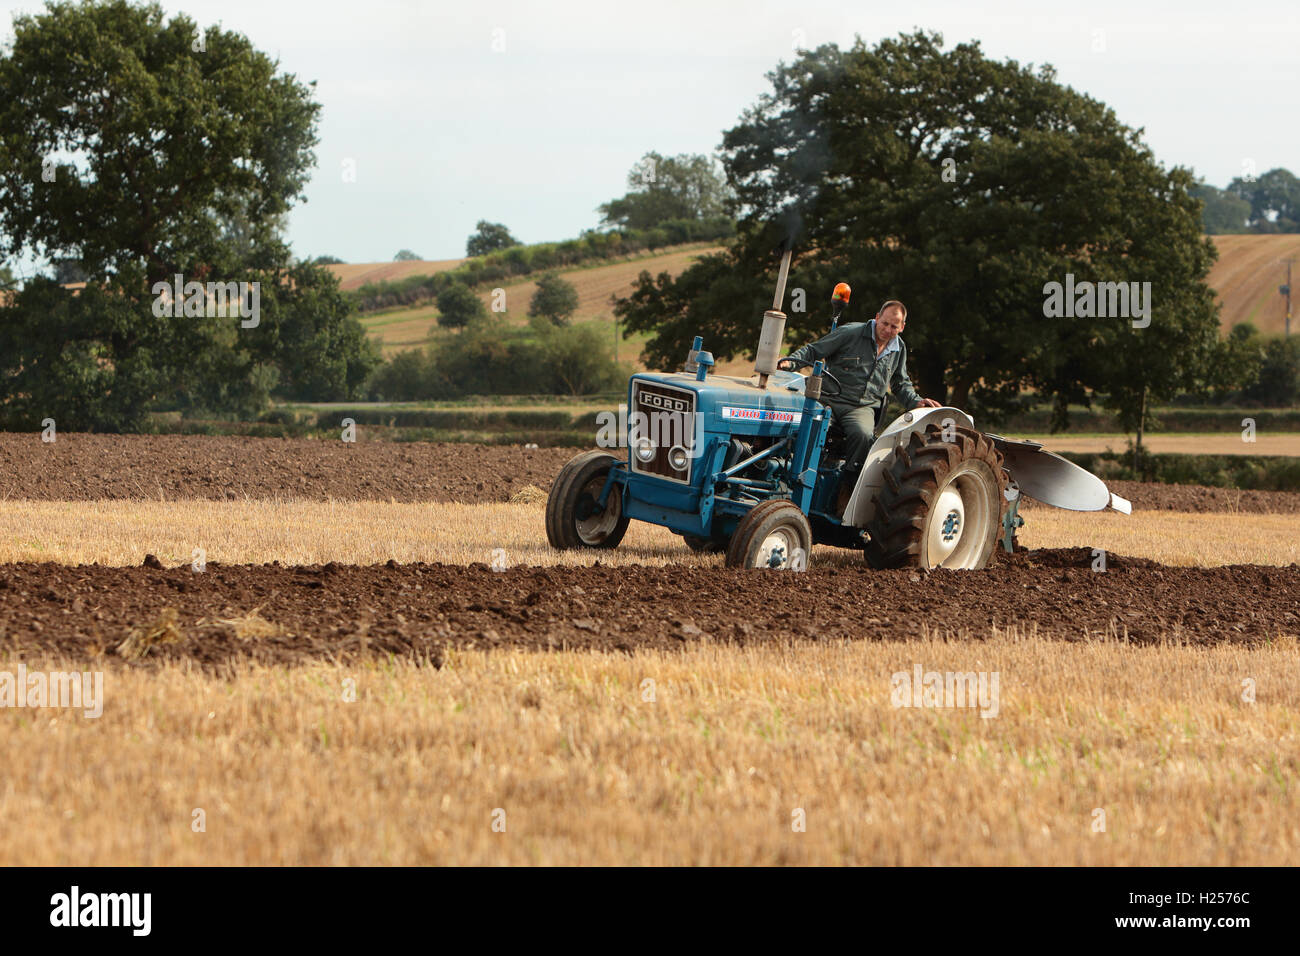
79, 467
174, 467
227, 615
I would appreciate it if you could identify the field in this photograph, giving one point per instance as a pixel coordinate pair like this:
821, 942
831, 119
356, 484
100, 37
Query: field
1247, 276
404, 328
353, 275
1100, 754
1245, 279
1285, 444
381, 661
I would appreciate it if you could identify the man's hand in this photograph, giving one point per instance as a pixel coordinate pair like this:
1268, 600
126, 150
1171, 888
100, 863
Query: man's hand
929, 403
785, 364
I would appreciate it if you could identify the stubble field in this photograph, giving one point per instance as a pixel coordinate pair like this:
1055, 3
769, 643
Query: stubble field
482, 699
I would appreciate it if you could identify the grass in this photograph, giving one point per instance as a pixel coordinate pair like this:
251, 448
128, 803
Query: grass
1100, 753
313, 532
1170, 537
584, 762
1221, 443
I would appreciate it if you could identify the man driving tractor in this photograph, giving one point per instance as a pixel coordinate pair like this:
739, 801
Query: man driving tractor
870, 360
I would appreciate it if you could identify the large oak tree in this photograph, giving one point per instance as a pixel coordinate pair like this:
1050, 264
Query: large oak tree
138, 148
962, 186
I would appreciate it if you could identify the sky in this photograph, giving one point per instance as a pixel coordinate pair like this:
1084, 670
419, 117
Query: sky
436, 114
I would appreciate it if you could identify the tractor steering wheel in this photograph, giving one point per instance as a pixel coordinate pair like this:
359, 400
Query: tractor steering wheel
795, 364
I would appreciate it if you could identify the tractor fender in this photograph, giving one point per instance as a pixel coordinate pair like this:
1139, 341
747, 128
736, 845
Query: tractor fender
861, 507
1054, 480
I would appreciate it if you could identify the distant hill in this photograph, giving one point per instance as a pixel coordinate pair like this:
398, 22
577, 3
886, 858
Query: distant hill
404, 328
1246, 277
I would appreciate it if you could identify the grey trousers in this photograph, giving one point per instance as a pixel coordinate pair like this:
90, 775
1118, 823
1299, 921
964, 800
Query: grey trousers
859, 424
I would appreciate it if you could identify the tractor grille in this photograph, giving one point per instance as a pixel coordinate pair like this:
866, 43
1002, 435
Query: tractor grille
668, 423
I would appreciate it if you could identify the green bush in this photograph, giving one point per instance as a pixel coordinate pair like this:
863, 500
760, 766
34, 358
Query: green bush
458, 306
489, 359
555, 300
1279, 374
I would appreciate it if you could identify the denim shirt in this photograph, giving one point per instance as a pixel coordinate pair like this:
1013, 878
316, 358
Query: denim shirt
867, 378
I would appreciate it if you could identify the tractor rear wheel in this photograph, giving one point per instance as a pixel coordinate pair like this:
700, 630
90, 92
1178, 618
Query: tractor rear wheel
942, 503
773, 535
572, 518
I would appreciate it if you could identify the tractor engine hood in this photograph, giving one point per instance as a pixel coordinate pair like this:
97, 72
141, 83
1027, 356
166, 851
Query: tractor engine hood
724, 401
784, 391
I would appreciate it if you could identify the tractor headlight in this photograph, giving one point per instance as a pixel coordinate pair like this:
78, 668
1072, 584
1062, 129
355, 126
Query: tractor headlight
645, 450
678, 458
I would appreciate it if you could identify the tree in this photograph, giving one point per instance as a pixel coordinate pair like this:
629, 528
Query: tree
320, 350
962, 186
579, 361
663, 188
1239, 366
489, 237
458, 306
488, 360
57, 360
555, 299
140, 149
1278, 382
327, 261
1274, 200
406, 255
167, 142
1225, 213
8, 281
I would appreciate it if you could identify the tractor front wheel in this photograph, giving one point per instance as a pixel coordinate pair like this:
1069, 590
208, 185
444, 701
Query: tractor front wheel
572, 518
774, 535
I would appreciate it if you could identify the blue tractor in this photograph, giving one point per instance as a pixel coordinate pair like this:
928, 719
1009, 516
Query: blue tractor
752, 467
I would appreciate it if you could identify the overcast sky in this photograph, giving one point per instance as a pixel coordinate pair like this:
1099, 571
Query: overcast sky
531, 114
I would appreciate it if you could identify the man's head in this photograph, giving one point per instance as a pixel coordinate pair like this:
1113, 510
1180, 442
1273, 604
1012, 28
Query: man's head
890, 321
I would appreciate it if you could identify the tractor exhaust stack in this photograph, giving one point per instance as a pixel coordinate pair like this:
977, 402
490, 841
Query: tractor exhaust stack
773, 334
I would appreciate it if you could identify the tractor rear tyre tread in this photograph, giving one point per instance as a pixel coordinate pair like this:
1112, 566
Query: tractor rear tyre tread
914, 479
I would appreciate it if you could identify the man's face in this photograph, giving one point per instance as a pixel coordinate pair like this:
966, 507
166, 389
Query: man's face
889, 323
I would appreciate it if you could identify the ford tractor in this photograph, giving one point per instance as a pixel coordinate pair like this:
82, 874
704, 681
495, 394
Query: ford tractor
753, 467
